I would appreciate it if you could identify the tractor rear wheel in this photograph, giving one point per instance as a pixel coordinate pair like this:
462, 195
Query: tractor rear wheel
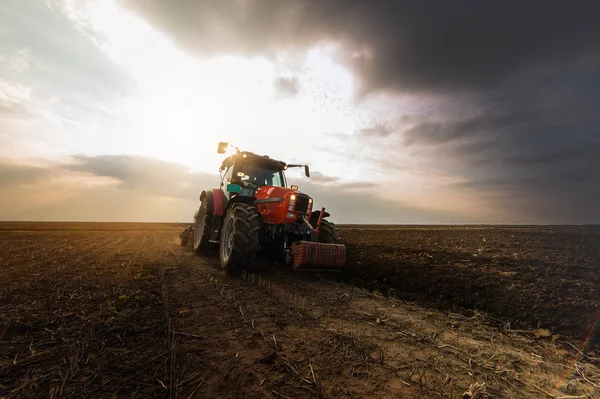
328, 233
239, 238
202, 230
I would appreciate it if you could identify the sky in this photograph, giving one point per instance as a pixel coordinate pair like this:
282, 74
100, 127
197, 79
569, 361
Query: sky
407, 112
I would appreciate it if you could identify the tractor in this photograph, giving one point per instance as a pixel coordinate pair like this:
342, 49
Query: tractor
254, 213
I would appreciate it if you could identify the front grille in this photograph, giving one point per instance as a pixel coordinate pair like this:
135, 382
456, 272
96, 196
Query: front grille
301, 203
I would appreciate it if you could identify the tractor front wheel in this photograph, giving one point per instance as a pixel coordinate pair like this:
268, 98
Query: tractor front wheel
239, 238
328, 233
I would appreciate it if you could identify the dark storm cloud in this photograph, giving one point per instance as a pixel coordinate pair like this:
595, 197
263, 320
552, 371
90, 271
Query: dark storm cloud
553, 157
439, 133
401, 44
287, 87
548, 175
568, 196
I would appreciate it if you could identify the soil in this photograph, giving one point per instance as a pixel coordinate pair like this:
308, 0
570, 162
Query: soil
122, 310
527, 276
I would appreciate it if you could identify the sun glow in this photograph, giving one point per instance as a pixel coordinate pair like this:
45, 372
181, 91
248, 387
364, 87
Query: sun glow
183, 104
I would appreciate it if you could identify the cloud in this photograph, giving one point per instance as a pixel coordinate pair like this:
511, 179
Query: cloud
16, 102
14, 174
399, 45
431, 133
45, 50
379, 130
561, 197
11, 92
14, 111
553, 157
101, 188
19, 61
320, 178
133, 188
146, 175
360, 202
545, 168
287, 87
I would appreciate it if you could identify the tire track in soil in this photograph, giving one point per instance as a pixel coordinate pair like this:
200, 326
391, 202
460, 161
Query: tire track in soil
306, 364
409, 337
207, 361
357, 344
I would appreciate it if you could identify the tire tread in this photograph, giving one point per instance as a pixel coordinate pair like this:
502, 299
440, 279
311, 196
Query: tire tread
247, 223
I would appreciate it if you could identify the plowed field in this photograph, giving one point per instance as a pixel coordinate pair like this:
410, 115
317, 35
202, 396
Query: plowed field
122, 310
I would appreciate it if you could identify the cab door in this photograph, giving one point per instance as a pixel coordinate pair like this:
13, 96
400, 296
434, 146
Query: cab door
226, 181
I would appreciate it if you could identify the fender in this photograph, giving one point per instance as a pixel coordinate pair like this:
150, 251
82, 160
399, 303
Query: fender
315, 214
241, 198
215, 199
224, 206
216, 204
314, 217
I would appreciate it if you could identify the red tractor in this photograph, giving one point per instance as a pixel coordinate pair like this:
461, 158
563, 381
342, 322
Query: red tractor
254, 212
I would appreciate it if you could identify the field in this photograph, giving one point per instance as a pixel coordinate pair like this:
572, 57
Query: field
122, 310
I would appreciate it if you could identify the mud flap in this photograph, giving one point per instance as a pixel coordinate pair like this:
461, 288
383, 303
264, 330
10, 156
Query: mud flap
317, 256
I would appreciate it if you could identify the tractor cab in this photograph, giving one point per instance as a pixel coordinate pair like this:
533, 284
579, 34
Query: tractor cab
245, 172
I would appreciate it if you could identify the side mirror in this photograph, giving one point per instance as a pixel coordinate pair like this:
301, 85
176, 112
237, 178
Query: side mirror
222, 147
294, 187
306, 171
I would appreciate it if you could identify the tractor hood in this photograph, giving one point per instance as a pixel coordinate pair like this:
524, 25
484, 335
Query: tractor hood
273, 192
282, 204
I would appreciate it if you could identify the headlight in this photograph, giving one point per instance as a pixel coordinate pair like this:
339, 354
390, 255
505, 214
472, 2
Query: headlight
290, 215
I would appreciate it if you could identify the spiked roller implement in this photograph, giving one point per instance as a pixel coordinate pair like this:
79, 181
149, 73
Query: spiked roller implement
309, 256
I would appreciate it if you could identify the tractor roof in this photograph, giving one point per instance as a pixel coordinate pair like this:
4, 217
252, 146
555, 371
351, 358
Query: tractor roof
252, 157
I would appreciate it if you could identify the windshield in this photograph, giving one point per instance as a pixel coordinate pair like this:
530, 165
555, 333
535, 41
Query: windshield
258, 176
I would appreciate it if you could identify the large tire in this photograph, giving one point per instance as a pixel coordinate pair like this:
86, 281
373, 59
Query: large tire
239, 238
328, 233
202, 230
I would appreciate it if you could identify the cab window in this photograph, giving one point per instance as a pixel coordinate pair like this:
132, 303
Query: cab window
258, 176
